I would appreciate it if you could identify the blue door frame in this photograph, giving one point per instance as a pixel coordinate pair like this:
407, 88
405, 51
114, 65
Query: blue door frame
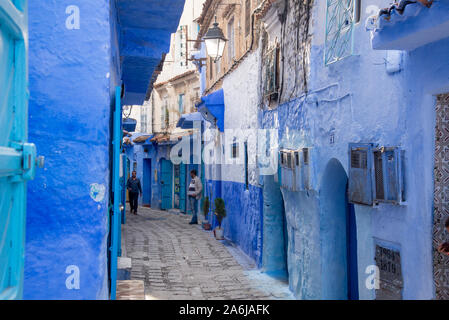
17, 157
123, 181
115, 225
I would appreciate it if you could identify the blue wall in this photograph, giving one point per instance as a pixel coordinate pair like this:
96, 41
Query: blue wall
69, 116
358, 99
243, 224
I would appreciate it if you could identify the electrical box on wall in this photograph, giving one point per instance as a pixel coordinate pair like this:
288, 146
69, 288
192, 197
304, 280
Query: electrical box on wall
288, 177
376, 174
295, 169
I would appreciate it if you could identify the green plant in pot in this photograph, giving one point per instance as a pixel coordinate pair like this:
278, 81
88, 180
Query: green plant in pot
220, 213
206, 207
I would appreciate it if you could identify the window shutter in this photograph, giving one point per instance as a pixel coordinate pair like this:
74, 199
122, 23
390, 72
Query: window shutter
389, 175
361, 180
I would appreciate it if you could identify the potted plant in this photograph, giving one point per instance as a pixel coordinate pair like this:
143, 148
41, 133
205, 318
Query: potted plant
206, 206
220, 212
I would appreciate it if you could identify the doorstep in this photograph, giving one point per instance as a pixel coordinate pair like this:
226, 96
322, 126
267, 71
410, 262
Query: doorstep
124, 264
130, 290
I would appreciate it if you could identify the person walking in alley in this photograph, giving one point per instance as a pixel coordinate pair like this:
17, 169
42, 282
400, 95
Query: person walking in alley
134, 189
194, 193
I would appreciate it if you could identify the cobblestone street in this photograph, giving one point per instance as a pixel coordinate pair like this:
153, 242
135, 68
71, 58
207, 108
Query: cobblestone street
178, 261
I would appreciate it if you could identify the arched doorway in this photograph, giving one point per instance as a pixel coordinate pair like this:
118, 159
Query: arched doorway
338, 236
275, 238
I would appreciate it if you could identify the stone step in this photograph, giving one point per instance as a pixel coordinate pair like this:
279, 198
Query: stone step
130, 290
124, 268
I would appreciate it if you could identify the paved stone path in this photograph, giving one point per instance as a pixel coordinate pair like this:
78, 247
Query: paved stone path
179, 261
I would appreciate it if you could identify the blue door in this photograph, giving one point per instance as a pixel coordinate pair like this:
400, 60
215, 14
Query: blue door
166, 184
146, 182
17, 158
182, 188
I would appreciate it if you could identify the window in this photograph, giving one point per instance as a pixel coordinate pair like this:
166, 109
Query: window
247, 17
388, 167
376, 174
339, 30
270, 74
360, 187
235, 150
230, 44
181, 103
288, 170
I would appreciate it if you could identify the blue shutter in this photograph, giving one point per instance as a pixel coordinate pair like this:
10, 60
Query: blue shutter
361, 174
17, 158
388, 175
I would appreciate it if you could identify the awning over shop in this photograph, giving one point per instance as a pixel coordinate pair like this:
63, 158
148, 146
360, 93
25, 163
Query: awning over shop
144, 28
212, 108
188, 120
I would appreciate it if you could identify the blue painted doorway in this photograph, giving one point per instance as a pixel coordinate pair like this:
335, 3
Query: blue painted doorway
17, 157
338, 236
146, 181
182, 188
166, 184
275, 236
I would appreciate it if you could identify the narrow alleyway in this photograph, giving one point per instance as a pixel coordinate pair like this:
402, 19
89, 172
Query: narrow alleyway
178, 261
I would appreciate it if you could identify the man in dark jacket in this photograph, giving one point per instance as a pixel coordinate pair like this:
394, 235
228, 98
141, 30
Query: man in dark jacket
134, 189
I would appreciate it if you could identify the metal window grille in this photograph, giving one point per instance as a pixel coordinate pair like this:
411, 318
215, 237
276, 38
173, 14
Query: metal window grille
339, 30
378, 173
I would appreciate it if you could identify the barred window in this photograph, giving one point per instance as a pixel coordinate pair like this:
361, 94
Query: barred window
339, 30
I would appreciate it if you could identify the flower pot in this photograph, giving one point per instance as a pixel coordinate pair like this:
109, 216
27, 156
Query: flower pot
206, 225
218, 232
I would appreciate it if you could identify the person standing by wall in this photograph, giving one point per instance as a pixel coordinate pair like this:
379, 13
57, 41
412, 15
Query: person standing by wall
134, 188
194, 193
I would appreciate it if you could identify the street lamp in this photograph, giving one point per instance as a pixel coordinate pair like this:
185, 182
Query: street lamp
215, 42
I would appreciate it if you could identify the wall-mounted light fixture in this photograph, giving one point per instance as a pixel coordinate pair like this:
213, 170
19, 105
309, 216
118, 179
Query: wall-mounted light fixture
215, 42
